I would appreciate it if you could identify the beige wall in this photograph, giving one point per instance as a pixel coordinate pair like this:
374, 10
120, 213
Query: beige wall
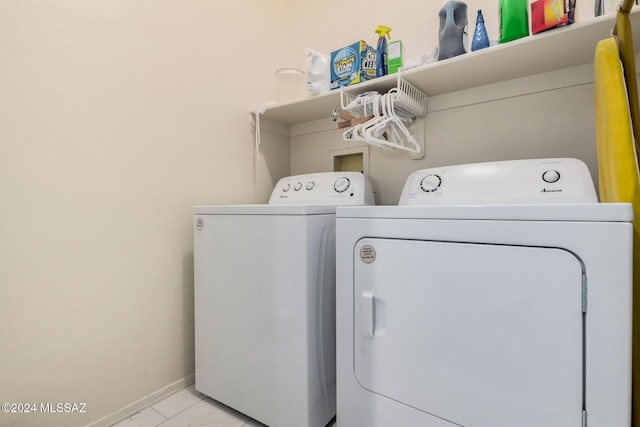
116, 117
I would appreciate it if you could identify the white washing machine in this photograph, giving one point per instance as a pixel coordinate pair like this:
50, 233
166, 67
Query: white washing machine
495, 295
265, 299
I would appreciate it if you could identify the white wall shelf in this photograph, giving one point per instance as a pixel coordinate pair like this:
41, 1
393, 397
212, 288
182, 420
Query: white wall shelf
540, 53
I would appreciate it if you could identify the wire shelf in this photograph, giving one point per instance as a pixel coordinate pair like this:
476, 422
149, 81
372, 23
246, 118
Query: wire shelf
387, 117
409, 101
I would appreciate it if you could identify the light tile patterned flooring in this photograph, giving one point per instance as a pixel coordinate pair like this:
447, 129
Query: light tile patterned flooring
189, 408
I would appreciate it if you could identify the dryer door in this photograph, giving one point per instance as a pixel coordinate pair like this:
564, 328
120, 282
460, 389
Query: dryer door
476, 334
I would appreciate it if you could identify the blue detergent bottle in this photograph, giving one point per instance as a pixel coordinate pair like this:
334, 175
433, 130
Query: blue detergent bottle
381, 50
480, 36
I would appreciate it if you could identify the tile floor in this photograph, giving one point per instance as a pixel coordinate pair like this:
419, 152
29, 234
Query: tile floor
189, 408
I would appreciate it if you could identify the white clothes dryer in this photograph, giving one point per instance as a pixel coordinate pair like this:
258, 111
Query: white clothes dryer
495, 295
265, 299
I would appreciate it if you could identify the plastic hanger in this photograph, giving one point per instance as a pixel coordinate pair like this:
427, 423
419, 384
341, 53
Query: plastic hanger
393, 126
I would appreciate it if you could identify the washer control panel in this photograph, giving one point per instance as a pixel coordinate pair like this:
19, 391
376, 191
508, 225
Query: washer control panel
531, 181
325, 188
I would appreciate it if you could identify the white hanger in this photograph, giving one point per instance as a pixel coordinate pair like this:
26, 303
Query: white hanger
392, 113
379, 116
397, 133
371, 105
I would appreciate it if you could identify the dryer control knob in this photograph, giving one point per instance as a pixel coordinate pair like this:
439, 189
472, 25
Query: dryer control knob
286, 187
310, 185
298, 186
342, 184
430, 183
551, 176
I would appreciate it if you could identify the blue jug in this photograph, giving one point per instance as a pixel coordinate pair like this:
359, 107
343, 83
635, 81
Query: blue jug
453, 30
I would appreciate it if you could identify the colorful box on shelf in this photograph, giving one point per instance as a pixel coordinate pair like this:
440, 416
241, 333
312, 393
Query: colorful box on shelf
352, 64
548, 14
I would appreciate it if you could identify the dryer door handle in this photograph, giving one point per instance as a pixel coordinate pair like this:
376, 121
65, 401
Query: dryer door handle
367, 313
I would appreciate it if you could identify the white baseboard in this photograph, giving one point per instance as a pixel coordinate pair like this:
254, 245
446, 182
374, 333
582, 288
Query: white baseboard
143, 403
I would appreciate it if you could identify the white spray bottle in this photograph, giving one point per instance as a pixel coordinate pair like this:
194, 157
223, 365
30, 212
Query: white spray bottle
318, 72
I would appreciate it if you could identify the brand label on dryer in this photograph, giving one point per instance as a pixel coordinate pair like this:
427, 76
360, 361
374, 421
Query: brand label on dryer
367, 254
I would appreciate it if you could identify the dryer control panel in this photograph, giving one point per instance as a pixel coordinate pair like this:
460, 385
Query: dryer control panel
531, 181
325, 188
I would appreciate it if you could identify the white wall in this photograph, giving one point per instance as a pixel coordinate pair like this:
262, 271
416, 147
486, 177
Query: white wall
116, 117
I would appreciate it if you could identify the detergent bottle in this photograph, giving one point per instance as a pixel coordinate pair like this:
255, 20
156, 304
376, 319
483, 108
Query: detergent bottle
514, 19
453, 30
318, 72
383, 32
480, 36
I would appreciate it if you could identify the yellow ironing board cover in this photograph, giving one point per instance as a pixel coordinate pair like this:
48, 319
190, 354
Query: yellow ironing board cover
618, 169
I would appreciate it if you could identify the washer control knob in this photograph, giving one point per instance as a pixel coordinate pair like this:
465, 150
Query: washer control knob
342, 184
298, 186
551, 176
430, 183
286, 187
310, 185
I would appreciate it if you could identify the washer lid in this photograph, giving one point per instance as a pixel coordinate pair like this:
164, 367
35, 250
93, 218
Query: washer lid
607, 212
264, 210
